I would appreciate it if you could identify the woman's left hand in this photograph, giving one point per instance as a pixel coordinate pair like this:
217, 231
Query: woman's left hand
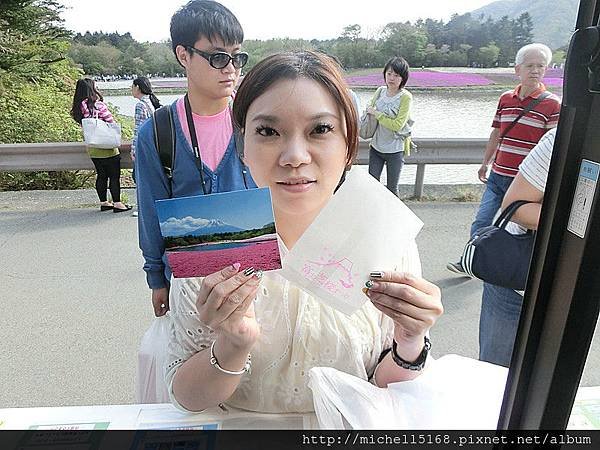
413, 303
371, 110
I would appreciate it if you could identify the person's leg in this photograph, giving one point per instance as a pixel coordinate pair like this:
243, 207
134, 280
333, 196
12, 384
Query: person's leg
498, 323
114, 175
101, 179
376, 162
394, 163
496, 187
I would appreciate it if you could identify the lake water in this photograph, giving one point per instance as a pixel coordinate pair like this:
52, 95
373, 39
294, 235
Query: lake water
437, 113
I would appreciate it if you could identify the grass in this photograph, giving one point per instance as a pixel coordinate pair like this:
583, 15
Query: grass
467, 195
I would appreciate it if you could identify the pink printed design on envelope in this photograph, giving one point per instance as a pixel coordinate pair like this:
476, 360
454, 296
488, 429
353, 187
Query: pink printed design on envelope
341, 278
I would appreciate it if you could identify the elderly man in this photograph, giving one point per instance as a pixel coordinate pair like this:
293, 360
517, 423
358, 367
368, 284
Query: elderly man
523, 116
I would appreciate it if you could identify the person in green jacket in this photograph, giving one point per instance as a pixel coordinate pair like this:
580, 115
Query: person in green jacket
391, 106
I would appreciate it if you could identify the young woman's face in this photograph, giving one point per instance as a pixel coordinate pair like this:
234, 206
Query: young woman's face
392, 79
295, 143
135, 91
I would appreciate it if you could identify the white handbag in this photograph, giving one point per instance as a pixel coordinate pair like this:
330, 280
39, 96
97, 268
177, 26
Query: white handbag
100, 134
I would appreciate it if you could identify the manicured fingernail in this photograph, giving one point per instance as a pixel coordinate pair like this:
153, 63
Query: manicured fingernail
377, 274
366, 291
249, 271
236, 266
369, 284
258, 274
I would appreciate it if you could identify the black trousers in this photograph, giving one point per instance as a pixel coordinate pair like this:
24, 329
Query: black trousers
108, 174
393, 162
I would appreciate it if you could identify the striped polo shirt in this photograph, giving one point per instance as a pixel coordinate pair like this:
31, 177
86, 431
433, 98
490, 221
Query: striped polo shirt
519, 141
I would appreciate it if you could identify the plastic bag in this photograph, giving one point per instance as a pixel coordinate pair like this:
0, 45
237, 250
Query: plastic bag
453, 393
150, 386
100, 134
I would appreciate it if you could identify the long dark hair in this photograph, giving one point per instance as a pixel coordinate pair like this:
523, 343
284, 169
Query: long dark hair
146, 88
299, 64
84, 90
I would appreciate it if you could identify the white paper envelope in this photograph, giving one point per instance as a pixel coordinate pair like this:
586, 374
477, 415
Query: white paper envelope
363, 228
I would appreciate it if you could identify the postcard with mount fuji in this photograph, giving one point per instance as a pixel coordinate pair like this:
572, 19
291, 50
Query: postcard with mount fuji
206, 233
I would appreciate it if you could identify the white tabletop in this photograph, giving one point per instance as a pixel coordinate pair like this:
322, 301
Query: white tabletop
150, 416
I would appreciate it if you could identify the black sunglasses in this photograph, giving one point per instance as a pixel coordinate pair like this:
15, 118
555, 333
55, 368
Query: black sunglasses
219, 60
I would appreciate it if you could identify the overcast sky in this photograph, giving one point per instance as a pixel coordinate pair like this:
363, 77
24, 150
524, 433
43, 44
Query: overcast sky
262, 19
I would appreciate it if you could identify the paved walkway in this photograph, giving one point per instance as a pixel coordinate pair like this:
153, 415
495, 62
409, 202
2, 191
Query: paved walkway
75, 303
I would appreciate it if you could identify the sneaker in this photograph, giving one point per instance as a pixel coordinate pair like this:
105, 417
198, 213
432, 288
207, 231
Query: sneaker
134, 214
457, 267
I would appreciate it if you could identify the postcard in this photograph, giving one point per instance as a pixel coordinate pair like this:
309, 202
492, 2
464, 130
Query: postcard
364, 227
206, 233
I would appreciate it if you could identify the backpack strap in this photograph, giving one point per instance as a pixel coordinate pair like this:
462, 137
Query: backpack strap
164, 138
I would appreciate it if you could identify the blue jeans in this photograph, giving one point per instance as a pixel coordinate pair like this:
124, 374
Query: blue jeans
498, 323
495, 188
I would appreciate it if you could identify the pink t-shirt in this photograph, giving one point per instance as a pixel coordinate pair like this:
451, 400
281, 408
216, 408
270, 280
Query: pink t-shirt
213, 133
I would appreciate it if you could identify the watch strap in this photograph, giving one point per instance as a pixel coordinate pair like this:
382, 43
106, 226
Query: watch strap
419, 363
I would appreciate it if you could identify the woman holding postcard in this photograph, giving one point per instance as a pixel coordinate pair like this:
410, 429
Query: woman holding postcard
300, 136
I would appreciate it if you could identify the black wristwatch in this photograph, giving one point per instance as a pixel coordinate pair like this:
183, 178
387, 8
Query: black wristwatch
419, 363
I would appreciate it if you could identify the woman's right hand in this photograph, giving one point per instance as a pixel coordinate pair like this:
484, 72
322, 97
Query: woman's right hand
225, 303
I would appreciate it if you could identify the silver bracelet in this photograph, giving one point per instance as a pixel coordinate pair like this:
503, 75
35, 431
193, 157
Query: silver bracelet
215, 363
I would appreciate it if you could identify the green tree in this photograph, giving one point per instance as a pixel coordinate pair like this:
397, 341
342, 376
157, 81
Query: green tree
522, 30
351, 33
36, 86
406, 40
31, 37
487, 56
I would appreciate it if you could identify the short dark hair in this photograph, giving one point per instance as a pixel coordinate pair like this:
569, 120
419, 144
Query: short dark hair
399, 65
310, 65
206, 18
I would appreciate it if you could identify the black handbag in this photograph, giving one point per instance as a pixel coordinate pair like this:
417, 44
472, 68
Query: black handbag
498, 257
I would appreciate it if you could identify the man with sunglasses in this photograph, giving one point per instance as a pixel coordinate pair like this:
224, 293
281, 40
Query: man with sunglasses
206, 39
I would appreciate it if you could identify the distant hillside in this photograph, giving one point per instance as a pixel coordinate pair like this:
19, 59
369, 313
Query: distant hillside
553, 21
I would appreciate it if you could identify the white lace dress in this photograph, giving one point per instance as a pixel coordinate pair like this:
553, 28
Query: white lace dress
297, 333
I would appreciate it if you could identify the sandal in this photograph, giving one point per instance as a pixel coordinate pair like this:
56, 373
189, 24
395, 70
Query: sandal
106, 207
118, 210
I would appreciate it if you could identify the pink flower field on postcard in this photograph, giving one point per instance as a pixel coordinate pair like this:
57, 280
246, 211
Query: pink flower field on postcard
261, 255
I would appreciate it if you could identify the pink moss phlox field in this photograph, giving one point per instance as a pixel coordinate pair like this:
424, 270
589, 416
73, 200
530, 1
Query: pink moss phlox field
454, 79
555, 73
425, 79
553, 82
261, 255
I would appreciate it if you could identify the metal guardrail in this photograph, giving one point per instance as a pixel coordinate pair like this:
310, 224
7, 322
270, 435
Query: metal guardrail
73, 156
